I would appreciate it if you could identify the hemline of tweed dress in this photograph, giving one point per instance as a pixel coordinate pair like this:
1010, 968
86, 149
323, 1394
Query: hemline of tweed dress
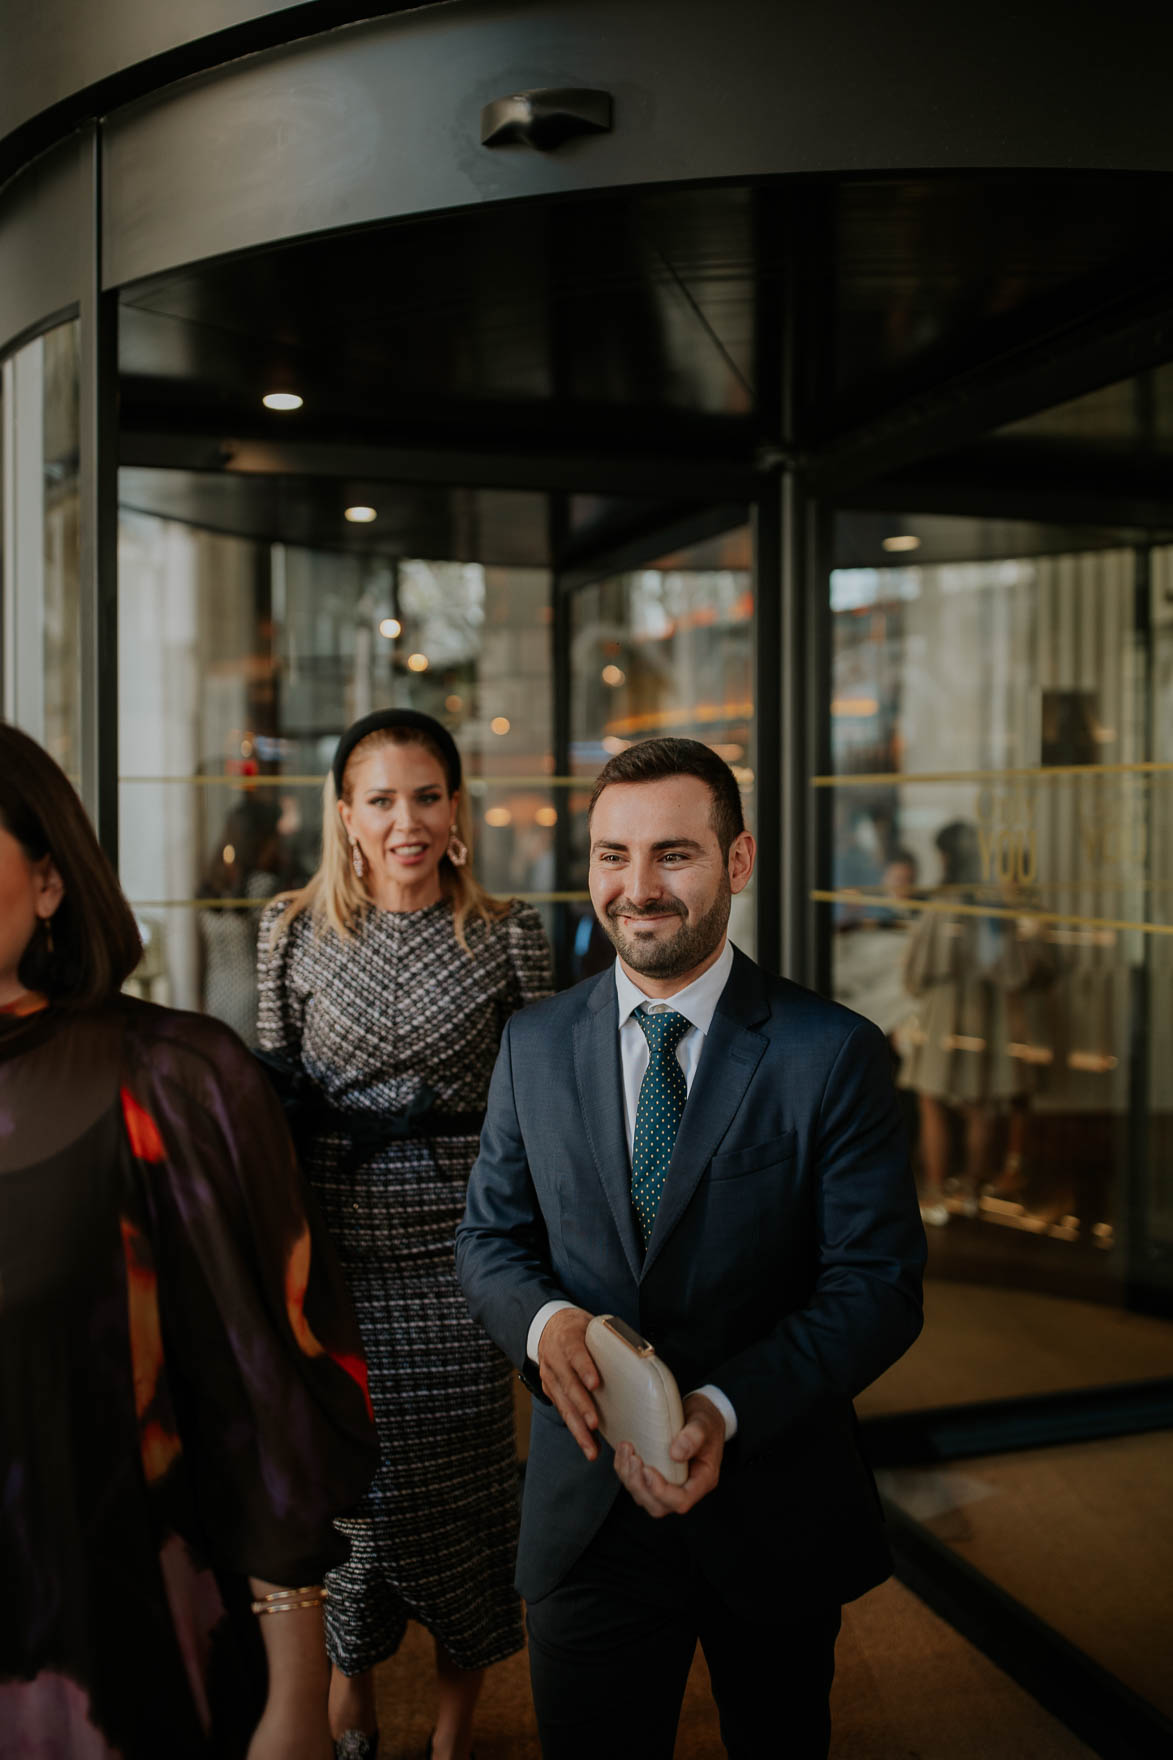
372, 1021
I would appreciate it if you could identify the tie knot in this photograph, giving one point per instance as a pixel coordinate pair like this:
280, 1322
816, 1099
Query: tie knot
664, 1029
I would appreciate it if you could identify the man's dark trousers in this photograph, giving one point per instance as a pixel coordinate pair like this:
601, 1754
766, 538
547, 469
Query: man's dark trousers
610, 1650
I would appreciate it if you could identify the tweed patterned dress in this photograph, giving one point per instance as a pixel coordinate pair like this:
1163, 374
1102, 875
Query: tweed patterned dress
371, 1021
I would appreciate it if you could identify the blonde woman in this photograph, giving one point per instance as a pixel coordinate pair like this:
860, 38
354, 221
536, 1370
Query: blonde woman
387, 981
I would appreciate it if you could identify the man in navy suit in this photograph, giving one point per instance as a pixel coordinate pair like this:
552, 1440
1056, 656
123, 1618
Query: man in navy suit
716, 1156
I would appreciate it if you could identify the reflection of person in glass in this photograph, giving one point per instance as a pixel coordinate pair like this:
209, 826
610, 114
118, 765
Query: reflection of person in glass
252, 861
388, 980
977, 1042
184, 1400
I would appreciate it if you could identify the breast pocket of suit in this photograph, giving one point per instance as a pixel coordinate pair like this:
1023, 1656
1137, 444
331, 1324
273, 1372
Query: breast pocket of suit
761, 1157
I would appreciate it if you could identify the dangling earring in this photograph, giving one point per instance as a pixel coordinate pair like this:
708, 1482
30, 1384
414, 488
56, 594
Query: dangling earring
457, 851
357, 860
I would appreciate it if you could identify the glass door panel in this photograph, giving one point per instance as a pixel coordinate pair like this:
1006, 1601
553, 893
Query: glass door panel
666, 649
1000, 907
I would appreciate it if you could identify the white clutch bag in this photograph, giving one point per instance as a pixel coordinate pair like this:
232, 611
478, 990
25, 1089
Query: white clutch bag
639, 1401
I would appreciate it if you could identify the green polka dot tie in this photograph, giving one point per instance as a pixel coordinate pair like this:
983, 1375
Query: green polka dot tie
657, 1117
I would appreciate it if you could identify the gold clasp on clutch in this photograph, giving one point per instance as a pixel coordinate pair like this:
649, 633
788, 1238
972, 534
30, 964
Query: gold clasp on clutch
628, 1334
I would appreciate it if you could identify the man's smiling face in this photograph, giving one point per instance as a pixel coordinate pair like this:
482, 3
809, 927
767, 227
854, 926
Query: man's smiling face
659, 882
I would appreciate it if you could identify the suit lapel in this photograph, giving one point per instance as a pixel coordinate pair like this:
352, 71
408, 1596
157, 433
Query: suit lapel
731, 1054
599, 1075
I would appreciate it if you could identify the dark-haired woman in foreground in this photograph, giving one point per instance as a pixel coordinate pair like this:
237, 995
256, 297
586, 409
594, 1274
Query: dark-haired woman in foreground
182, 1395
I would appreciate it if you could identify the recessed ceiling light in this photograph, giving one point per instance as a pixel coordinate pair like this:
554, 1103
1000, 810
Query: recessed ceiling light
390, 627
547, 815
360, 516
500, 724
614, 675
282, 400
417, 662
902, 541
498, 816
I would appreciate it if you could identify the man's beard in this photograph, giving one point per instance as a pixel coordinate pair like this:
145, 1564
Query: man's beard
664, 956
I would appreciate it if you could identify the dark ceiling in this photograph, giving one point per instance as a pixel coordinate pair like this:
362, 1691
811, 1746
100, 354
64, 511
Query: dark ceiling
457, 370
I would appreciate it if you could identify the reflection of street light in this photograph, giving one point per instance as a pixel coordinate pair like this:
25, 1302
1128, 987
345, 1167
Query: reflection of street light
282, 400
500, 724
417, 662
547, 815
390, 627
614, 675
360, 516
498, 816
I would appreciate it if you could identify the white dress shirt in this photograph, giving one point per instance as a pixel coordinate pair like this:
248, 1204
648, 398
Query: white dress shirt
696, 1002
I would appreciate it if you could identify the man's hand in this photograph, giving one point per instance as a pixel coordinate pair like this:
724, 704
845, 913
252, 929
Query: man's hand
701, 1443
569, 1375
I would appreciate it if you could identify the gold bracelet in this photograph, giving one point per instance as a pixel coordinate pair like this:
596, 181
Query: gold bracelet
288, 1600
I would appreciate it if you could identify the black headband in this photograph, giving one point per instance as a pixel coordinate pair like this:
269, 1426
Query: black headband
409, 718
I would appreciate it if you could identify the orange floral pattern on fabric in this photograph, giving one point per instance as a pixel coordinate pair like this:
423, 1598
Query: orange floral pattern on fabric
143, 1133
158, 1443
297, 1279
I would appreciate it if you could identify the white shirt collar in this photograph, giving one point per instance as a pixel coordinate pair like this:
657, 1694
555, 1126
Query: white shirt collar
696, 1002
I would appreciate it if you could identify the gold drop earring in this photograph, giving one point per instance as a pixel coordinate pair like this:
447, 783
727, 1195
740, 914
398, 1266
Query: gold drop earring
457, 850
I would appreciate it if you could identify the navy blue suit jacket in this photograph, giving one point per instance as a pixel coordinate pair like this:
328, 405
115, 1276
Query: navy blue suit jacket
784, 1266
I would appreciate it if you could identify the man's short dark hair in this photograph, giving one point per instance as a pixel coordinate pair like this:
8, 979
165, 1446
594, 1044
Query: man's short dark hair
654, 760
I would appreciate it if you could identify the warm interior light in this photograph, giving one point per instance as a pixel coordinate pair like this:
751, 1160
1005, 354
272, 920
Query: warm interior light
229, 854
390, 627
360, 516
499, 816
282, 400
454, 704
547, 815
614, 675
902, 541
417, 662
500, 724
862, 706
613, 744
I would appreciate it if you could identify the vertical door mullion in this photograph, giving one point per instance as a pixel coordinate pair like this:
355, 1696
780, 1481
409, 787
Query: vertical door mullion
98, 481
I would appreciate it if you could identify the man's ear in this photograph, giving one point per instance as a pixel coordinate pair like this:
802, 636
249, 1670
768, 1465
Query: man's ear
742, 855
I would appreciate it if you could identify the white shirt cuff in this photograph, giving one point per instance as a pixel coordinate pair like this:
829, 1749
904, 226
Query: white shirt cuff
723, 1406
538, 1325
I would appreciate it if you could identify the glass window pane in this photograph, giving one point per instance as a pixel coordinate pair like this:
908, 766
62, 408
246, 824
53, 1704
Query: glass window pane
241, 662
1000, 907
42, 544
62, 541
666, 649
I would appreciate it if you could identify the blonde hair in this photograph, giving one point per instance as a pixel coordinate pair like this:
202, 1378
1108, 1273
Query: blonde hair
335, 896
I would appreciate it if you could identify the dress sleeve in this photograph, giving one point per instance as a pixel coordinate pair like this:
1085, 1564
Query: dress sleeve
280, 1009
529, 957
256, 1338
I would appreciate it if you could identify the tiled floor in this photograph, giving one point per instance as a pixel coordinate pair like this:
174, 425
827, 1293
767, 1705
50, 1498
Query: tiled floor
907, 1688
